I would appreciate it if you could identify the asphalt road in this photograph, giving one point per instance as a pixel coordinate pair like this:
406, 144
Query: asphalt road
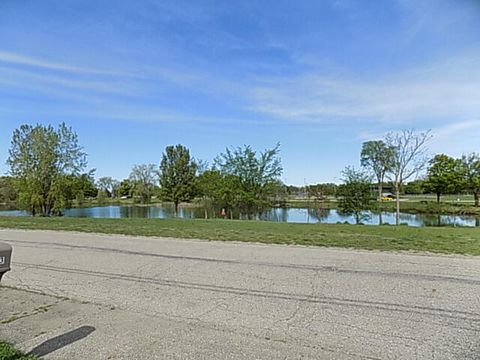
163, 298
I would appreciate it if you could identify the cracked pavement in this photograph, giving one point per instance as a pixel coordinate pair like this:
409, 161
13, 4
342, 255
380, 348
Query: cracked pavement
161, 298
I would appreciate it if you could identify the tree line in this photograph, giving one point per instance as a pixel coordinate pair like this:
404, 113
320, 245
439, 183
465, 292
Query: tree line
402, 156
48, 174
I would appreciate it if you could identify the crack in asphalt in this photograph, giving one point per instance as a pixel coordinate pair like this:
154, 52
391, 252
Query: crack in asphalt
333, 269
375, 305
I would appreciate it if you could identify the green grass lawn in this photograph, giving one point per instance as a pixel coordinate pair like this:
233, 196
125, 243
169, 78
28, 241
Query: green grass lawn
450, 198
431, 207
8, 352
439, 240
412, 204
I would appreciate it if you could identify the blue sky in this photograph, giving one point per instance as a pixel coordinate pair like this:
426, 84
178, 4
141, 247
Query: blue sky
320, 77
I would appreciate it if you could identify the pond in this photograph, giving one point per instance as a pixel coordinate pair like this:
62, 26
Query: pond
290, 215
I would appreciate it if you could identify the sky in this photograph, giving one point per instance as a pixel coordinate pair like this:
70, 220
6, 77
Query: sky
319, 77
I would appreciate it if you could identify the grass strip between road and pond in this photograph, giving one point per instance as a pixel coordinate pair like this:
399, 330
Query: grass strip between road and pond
8, 352
446, 240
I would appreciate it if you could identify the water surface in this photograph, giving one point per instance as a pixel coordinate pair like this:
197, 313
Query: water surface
289, 215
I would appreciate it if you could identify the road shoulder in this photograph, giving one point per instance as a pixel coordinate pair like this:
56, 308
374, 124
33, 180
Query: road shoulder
43, 324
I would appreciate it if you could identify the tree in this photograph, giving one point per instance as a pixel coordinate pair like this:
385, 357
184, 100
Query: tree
444, 176
222, 192
125, 188
8, 194
177, 175
40, 158
143, 179
408, 159
377, 157
293, 190
414, 187
231, 194
321, 191
83, 186
105, 184
256, 174
471, 174
278, 193
354, 195
109, 186
115, 186
209, 185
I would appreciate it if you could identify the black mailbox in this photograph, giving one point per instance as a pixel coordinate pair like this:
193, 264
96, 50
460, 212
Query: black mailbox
5, 256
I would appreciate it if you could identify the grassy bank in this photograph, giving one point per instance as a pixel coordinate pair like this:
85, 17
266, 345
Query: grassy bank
8, 352
431, 207
438, 240
415, 205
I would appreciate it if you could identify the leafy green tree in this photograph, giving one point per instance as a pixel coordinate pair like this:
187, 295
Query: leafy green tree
471, 174
414, 187
231, 195
85, 183
293, 190
354, 195
125, 188
79, 188
40, 159
256, 173
115, 187
143, 179
221, 192
378, 158
105, 184
278, 193
101, 197
8, 194
408, 159
208, 186
444, 176
321, 191
109, 186
177, 175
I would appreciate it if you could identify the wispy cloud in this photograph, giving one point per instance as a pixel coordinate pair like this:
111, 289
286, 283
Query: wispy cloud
34, 77
46, 82
440, 90
446, 131
142, 72
456, 138
18, 59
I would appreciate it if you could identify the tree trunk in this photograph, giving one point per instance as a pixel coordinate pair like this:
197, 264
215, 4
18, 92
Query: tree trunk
397, 200
476, 196
438, 198
175, 209
380, 200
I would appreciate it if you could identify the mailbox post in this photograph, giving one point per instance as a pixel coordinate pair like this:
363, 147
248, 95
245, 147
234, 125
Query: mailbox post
5, 257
